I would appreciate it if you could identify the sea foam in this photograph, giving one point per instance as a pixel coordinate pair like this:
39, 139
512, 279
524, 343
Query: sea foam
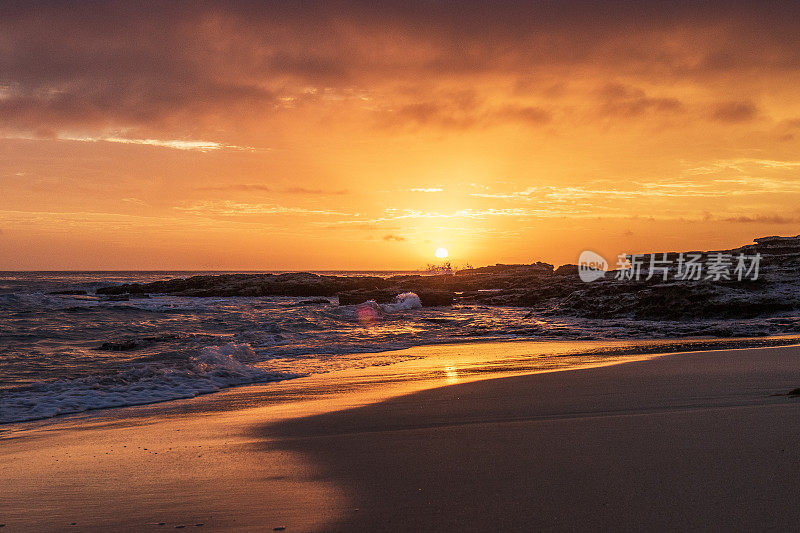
210, 369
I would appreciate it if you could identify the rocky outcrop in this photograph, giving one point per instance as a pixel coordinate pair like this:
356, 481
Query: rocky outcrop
433, 290
537, 285
361, 296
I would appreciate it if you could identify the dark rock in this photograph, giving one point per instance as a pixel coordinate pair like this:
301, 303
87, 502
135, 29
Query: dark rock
359, 297
69, 293
567, 270
794, 392
435, 298
537, 285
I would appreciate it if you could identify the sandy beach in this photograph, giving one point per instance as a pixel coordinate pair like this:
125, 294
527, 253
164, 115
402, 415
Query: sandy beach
689, 441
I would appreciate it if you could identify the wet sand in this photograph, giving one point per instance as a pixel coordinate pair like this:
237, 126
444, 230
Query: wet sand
686, 441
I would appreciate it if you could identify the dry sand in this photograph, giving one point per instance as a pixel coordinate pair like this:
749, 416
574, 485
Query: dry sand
692, 441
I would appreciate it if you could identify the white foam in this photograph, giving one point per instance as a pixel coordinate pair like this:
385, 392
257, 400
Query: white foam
211, 369
403, 302
371, 309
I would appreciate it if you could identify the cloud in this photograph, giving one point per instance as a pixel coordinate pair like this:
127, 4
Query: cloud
184, 67
136, 201
310, 191
643, 190
199, 146
229, 208
462, 113
244, 187
527, 193
525, 114
428, 189
466, 214
734, 112
259, 187
393, 238
626, 101
763, 219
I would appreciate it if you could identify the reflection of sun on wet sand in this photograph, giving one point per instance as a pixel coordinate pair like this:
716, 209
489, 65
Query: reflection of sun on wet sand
683, 441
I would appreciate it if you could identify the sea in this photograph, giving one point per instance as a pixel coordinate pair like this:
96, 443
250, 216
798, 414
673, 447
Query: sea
69, 353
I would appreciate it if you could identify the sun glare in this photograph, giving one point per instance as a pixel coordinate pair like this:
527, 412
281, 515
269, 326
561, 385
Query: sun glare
441, 253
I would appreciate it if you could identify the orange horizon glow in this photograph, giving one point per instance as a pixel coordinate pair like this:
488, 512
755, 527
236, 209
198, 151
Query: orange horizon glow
246, 137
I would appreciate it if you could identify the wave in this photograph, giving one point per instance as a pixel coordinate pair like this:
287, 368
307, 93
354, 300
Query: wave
403, 302
209, 370
371, 310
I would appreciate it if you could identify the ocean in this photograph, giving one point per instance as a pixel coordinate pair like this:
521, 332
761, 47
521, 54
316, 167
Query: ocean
67, 353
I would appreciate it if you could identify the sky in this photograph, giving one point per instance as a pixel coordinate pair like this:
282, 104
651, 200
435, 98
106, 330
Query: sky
365, 135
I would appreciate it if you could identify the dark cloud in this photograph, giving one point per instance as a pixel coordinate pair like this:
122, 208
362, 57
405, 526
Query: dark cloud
393, 238
626, 101
734, 112
763, 219
526, 114
171, 64
446, 115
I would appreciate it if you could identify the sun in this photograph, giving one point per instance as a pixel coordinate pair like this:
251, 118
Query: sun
441, 253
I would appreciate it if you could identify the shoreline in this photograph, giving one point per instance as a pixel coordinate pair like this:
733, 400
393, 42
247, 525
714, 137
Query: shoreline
620, 348
236, 461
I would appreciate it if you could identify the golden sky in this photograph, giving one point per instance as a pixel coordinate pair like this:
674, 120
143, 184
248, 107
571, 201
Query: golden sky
364, 135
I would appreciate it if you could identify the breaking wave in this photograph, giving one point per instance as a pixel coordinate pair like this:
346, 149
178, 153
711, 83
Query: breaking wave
212, 368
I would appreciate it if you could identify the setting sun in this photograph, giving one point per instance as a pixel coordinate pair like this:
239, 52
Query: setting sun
441, 253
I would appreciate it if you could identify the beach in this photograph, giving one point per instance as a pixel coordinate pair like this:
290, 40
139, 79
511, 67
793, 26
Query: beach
697, 440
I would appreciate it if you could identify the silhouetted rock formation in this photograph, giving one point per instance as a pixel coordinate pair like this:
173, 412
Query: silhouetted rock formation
559, 292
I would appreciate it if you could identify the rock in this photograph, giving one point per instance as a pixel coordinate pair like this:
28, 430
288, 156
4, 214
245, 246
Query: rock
537, 286
69, 293
567, 270
435, 298
794, 392
361, 296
